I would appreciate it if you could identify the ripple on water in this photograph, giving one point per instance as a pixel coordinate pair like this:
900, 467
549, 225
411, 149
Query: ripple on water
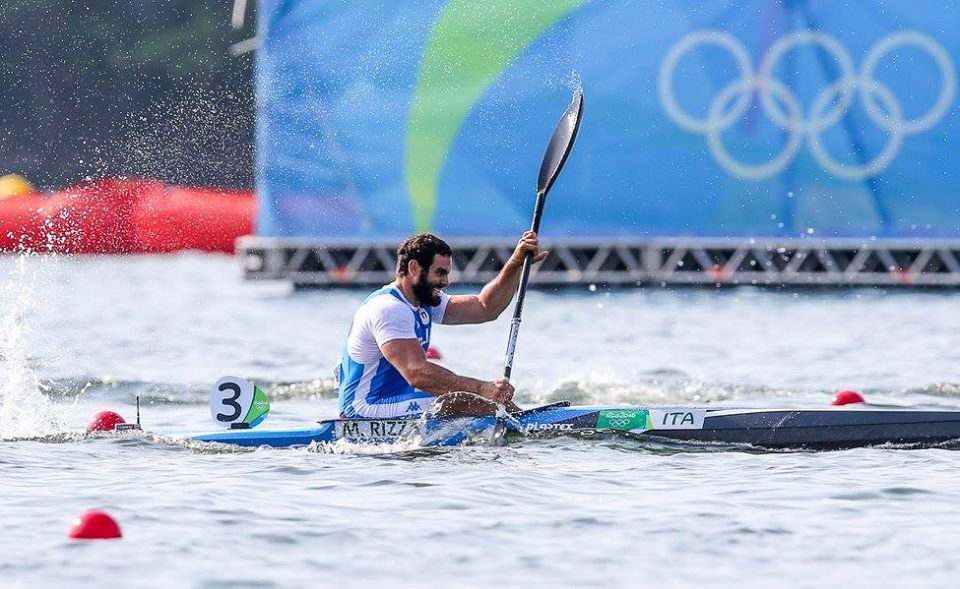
564, 512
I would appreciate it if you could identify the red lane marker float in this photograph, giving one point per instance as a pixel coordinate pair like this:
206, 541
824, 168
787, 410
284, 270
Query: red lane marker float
847, 397
433, 354
95, 525
105, 421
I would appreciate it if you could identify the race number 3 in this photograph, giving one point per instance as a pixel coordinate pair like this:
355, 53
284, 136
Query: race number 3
237, 400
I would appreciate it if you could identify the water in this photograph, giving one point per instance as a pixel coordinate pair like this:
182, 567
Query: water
81, 335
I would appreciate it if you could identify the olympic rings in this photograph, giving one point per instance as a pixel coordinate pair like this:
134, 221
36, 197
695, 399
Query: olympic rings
783, 107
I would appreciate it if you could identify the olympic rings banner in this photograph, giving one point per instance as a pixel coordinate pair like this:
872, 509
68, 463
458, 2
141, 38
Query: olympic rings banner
748, 118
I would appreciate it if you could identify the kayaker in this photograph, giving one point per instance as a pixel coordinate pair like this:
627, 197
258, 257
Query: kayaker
384, 371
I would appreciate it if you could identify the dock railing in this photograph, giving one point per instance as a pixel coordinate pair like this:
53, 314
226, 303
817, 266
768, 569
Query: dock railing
640, 262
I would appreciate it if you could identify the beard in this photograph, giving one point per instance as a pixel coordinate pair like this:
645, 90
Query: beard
426, 293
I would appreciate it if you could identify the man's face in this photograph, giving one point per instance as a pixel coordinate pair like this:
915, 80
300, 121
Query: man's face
430, 281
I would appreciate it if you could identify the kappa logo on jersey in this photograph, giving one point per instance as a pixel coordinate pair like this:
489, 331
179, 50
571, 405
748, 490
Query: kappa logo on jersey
413, 407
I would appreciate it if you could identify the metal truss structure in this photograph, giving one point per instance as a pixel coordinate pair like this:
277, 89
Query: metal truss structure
693, 261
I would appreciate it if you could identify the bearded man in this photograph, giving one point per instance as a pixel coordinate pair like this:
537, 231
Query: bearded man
384, 371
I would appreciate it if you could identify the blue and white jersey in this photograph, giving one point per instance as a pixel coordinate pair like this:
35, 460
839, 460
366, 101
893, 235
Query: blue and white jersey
369, 386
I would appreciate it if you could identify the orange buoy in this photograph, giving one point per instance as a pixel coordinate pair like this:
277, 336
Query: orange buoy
847, 397
13, 185
95, 525
105, 421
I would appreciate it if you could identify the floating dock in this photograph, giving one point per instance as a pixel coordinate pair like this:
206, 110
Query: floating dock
766, 262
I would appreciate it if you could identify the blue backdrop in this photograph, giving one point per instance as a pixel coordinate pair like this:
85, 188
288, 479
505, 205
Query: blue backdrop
740, 118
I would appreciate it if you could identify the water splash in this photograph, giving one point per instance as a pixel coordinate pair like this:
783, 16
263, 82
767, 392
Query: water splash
664, 388
411, 444
571, 80
24, 408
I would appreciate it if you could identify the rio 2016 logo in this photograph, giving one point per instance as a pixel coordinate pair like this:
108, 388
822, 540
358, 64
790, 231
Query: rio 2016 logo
830, 106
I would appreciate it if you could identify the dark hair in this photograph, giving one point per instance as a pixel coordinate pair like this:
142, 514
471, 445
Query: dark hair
422, 248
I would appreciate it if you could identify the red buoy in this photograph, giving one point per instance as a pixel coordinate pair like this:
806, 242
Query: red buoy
433, 354
105, 421
95, 525
847, 397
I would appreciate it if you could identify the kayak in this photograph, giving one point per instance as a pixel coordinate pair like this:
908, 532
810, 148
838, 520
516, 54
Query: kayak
775, 429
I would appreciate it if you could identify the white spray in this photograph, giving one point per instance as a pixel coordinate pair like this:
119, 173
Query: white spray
24, 410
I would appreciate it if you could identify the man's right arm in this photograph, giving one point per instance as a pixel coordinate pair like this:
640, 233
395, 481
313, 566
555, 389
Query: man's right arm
408, 357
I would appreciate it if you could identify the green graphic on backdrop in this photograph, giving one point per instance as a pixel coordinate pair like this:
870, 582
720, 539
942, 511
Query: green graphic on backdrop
472, 43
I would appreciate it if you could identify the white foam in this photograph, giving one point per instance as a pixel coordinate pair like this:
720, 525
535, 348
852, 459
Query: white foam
24, 409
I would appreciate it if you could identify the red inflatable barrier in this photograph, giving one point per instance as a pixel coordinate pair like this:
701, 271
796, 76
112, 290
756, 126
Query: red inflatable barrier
126, 216
191, 218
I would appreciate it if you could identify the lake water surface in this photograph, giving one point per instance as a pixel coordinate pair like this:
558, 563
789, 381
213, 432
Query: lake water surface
78, 335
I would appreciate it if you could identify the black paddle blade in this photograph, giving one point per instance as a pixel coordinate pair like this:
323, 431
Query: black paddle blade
561, 142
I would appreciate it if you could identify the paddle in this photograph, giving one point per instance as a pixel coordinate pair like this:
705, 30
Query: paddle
556, 155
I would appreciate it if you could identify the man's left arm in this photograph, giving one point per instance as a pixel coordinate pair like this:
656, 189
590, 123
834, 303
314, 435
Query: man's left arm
496, 294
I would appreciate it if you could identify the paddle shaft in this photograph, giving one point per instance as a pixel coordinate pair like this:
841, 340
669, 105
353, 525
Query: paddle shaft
561, 142
522, 291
